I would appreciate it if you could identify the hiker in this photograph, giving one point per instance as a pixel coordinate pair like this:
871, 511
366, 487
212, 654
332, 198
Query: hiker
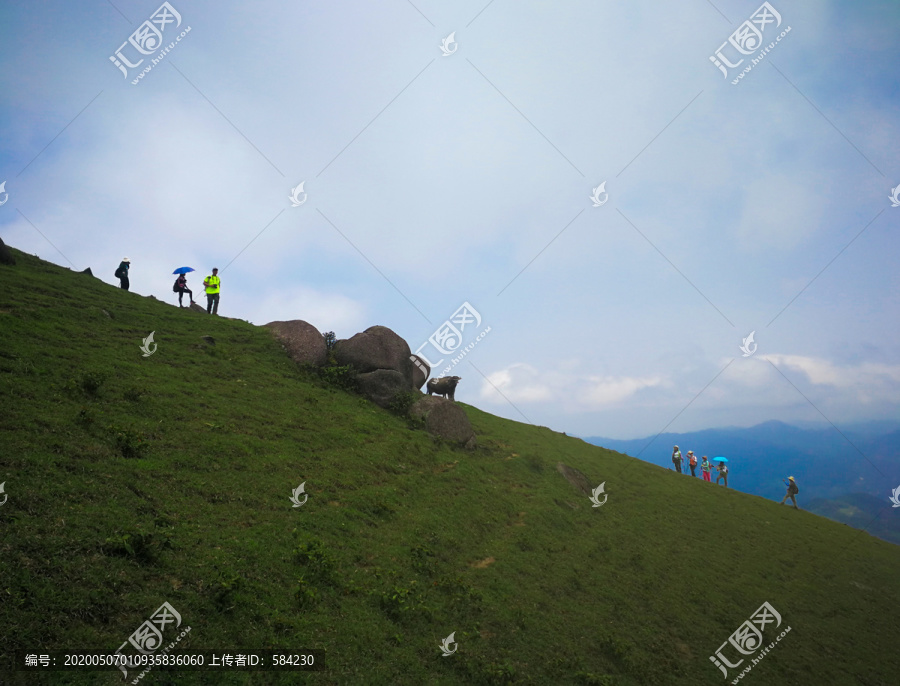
181, 288
723, 473
676, 459
212, 285
792, 490
692, 462
122, 273
704, 467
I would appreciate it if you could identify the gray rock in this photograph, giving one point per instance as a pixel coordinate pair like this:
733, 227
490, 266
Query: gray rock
303, 342
194, 307
209, 339
382, 385
6, 256
87, 271
445, 419
376, 348
421, 370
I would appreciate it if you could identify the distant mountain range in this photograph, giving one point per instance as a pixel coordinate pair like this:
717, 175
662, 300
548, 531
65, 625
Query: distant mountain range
846, 474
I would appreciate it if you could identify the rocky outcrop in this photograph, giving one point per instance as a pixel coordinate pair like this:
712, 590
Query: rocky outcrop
421, 370
382, 386
444, 419
376, 348
303, 342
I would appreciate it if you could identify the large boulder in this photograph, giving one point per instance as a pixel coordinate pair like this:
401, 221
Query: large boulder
444, 419
303, 342
6, 256
382, 386
196, 307
376, 348
421, 370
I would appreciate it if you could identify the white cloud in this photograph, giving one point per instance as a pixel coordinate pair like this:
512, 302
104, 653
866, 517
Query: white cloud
822, 372
523, 383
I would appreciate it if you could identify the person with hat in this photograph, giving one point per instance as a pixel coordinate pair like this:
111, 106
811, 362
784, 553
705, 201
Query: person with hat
677, 459
692, 462
212, 285
122, 273
792, 491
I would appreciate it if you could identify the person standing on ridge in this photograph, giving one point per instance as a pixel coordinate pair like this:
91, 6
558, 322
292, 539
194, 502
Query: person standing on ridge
122, 273
692, 462
792, 490
705, 467
212, 285
181, 288
676, 459
723, 473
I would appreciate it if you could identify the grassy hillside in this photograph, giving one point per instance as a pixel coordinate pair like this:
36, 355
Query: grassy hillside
132, 481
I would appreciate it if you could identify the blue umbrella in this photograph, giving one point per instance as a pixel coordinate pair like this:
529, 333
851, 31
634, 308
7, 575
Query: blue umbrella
720, 459
183, 270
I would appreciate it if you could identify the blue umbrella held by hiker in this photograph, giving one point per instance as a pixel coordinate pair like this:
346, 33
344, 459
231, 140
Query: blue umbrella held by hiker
183, 270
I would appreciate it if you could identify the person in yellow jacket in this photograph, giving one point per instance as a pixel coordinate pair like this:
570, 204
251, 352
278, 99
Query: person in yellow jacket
212, 285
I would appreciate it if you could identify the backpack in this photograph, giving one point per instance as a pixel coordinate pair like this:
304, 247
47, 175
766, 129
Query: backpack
118, 273
795, 489
175, 286
693, 460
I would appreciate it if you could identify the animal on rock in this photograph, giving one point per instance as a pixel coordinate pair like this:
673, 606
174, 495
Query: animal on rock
445, 387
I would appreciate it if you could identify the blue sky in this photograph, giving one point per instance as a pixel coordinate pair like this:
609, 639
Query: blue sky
432, 181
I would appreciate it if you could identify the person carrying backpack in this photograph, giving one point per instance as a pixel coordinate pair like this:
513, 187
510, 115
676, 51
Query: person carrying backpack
705, 467
122, 273
692, 462
792, 490
676, 459
181, 288
723, 473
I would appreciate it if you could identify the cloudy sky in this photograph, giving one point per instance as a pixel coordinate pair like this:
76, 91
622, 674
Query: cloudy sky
433, 180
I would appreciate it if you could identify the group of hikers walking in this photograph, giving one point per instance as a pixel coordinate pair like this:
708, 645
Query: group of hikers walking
705, 467
212, 284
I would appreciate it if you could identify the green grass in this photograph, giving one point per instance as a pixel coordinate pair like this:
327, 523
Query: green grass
133, 481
